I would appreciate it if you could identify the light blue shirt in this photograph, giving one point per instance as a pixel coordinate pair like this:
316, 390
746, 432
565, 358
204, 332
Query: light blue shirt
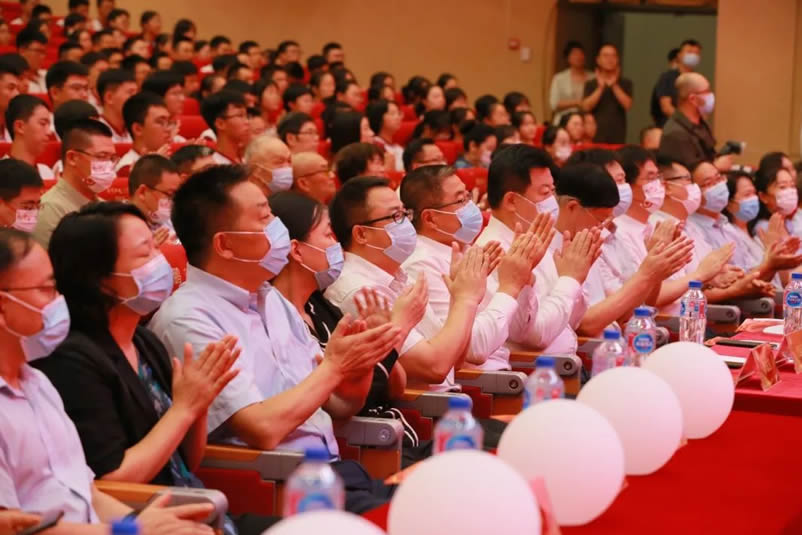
277, 351
718, 233
42, 463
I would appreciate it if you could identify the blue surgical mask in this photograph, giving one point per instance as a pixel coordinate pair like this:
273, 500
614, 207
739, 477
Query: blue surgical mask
279, 239
717, 197
403, 239
691, 59
282, 179
55, 327
334, 256
709, 103
470, 219
748, 209
624, 199
154, 282
548, 206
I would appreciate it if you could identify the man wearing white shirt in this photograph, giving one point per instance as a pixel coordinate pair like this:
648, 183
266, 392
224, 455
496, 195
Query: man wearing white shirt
519, 187
374, 229
9, 88
148, 122
29, 120
151, 185
226, 115
66, 80
445, 215
115, 87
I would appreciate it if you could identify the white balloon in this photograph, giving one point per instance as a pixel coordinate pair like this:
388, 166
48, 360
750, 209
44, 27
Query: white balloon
324, 522
467, 492
701, 381
644, 411
577, 452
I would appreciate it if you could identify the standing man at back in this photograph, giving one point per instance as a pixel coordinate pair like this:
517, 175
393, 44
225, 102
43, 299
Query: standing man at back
664, 94
609, 97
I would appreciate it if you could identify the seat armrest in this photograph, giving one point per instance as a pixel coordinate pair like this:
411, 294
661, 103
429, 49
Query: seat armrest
428, 404
376, 432
273, 465
138, 495
727, 314
760, 306
564, 365
663, 336
493, 382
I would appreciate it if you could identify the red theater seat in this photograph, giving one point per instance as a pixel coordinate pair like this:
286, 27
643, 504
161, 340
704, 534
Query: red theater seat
117, 192
51, 154
317, 109
395, 178
191, 106
192, 126
408, 113
324, 148
450, 149
4, 148
122, 148
405, 132
177, 258
474, 177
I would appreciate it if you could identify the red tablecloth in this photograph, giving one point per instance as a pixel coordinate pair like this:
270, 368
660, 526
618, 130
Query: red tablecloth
744, 479
783, 398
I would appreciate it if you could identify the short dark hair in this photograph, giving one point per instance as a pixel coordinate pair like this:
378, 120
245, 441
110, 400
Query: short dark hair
130, 62
444, 78
160, 82
184, 68
375, 113
550, 134
116, 13
59, 72
17, 175
147, 16
72, 19
14, 246
202, 207
437, 121
110, 51
90, 58
413, 149
21, 107
284, 45
632, 158
234, 69
100, 34
345, 128
66, 46
423, 188
238, 86
589, 183
328, 47
517, 118
605, 44
603, 157
39, 10
292, 124
13, 64
71, 111
293, 93
509, 170
484, 105
453, 93
74, 4
216, 105
672, 54
177, 39
29, 35
299, 213
184, 157
513, 99
136, 108
130, 42
690, 42
570, 46
218, 40
352, 160
84, 248
348, 206
77, 135
112, 79
247, 45
148, 170
315, 62
476, 133
222, 63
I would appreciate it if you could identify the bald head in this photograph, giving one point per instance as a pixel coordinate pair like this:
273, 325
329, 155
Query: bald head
691, 83
306, 163
312, 176
266, 148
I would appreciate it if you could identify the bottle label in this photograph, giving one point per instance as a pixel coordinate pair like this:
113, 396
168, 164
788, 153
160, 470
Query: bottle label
793, 299
643, 343
527, 398
455, 442
697, 310
301, 502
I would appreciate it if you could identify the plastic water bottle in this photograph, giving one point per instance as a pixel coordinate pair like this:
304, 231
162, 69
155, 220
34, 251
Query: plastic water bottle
314, 485
641, 336
609, 354
125, 527
792, 304
693, 314
544, 383
457, 429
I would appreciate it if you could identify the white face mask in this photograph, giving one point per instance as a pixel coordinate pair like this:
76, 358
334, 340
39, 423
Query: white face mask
787, 201
654, 193
709, 103
625, 199
162, 213
25, 220
693, 200
101, 175
282, 179
563, 153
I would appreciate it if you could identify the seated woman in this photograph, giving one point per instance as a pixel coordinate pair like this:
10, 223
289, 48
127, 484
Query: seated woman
141, 418
574, 125
557, 143
315, 261
349, 127
525, 123
479, 141
42, 464
777, 192
741, 210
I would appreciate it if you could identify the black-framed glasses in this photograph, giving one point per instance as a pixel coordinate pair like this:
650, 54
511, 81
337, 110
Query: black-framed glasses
168, 195
397, 217
678, 177
113, 158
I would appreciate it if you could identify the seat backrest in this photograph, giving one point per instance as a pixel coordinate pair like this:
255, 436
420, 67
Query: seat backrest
324, 148
122, 148
177, 258
450, 149
191, 106
118, 191
474, 177
192, 126
408, 113
51, 153
405, 132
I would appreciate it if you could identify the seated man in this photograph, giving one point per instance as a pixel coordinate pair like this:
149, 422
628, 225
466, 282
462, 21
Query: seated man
153, 181
519, 187
115, 87
88, 155
42, 464
445, 215
269, 164
375, 231
420, 152
311, 176
32, 45
20, 193
359, 159
189, 74
148, 122
227, 117
29, 123
67, 80
298, 97
479, 142
285, 394
169, 86
9, 88
299, 132
97, 63
138, 66
190, 159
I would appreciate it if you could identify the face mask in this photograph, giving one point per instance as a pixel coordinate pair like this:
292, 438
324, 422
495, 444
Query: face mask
154, 282
691, 59
470, 218
25, 220
279, 239
102, 175
654, 193
162, 213
624, 199
403, 239
748, 209
787, 200
563, 153
55, 327
282, 179
716, 198
334, 256
691, 204
548, 206
485, 157
709, 102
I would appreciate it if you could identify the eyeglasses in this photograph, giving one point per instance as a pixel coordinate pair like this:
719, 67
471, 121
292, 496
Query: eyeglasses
397, 217
462, 201
168, 195
678, 177
103, 157
50, 288
78, 87
711, 180
166, 123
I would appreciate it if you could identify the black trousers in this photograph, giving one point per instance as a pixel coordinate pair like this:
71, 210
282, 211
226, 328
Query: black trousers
362, 493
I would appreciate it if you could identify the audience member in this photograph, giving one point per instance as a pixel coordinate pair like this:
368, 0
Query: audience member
349, 127
226, 116
664, 95
650, 138
9, 88
299, 132
479, 142
30, 128
574, 126
32, 46
420, 152
151, 24
148, 122
590, 127
192, 158
20, 194
115, 87
313, 177
527, 127
268, 161
609, 97
557, 143
384, 118
359, 159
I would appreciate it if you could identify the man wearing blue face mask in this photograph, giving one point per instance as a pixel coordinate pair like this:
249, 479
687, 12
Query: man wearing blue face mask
376, 231
664, 94
447, 220
269, 164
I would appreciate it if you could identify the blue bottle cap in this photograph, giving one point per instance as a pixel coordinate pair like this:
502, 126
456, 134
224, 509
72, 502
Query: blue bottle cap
612, 334
125, 527
695, 284
796, 276
459, 402
544, 362
316, 454
643, 312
